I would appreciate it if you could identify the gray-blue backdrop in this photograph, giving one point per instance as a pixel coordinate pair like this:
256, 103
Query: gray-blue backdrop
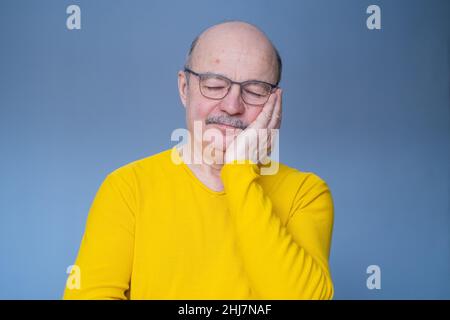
367, 110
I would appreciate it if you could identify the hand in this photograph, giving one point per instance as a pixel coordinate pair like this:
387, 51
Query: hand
255, 142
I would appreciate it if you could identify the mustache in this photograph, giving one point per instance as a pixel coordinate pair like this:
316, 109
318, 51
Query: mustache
229, 121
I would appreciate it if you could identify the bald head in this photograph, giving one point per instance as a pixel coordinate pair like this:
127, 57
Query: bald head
236, 44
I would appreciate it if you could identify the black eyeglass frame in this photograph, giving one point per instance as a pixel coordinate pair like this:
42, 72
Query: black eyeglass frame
240, 84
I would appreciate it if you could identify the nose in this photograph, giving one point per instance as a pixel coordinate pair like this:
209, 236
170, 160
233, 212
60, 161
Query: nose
233, 103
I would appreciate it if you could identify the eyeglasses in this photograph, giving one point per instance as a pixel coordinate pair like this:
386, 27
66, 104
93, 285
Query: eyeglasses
216, 87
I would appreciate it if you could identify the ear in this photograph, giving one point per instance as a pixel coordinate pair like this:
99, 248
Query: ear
182, 87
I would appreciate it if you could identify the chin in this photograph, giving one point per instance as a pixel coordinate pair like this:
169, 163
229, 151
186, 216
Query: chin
228, 140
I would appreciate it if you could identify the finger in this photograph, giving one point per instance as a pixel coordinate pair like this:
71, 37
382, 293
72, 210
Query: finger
275, 120
265, 115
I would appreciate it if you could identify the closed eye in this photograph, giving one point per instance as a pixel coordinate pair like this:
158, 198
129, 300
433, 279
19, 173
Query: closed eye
255, 94
214, 88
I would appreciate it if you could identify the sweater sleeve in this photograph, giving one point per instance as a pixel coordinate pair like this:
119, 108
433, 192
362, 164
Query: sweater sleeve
282, 261
106, 252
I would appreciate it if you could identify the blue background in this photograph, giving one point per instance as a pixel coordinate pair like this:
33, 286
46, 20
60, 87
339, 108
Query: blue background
368, 111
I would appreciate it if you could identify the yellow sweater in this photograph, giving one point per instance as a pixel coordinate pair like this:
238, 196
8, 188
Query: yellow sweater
154, 231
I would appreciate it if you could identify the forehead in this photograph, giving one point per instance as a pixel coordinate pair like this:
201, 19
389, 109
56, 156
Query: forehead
239, 57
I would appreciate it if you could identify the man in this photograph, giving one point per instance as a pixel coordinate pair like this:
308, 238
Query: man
168, 227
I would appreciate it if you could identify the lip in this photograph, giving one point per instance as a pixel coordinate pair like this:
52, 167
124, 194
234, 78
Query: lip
222, 127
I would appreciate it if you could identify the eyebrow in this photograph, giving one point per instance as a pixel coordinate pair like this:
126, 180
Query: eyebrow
251, 80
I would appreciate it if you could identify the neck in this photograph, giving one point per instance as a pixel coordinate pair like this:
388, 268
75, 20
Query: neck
205, 168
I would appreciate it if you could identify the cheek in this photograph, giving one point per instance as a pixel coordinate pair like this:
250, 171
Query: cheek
252, 113
200, 111
199, 108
